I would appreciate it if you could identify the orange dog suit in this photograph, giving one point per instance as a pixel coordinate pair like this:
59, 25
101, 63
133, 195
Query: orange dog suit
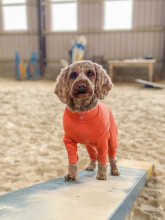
96, 129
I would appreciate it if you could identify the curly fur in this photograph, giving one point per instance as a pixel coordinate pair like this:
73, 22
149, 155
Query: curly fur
72, 172
91, 166
61, 89
70, 91
114, 169
99, 86
103, 83
102, 172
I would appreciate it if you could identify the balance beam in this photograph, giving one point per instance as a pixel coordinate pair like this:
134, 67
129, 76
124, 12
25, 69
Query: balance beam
148, 84
86, 198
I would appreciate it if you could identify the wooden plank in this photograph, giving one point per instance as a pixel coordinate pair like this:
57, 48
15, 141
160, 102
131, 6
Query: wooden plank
144, 165
150, 84
86, 198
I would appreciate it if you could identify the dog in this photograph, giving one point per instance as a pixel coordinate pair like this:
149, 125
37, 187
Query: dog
86, 120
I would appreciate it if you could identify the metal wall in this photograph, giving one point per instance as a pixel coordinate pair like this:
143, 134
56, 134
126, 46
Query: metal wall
146, 37
24, 42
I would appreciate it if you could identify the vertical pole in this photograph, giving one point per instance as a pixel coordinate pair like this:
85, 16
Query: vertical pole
163, 72
41, 36
162, 76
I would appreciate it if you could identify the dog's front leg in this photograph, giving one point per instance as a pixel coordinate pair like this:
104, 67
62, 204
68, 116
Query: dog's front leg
102, 158
102, 172
92, 151
71, 147
72, 172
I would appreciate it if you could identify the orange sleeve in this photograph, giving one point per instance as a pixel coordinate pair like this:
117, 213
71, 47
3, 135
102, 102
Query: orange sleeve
71, 147
113, 138
102, 147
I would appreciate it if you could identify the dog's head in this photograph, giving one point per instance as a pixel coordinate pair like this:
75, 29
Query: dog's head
82, 81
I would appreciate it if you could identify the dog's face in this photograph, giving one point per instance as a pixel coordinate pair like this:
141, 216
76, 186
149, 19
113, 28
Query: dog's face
82, 81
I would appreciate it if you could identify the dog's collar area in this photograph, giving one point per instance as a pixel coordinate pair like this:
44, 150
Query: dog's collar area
83, 116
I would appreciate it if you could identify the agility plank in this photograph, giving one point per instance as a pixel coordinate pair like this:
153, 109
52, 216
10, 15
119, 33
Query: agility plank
148, 84
86, 198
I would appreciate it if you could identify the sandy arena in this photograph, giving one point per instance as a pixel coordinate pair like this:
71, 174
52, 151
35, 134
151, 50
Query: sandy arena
31, 133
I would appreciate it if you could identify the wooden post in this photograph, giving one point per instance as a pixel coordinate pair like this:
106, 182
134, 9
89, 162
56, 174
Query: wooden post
111, 70
150, 69
163, 72
41, 36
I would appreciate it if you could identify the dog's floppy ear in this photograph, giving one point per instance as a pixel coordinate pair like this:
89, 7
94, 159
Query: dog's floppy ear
103, 82
62, 89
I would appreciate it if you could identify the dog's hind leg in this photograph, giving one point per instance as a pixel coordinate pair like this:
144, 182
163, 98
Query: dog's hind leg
112, 160
112, 145
91, 166
92, 151
114, 169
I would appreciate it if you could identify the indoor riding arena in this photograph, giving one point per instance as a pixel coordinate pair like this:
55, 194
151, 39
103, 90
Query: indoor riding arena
41, 38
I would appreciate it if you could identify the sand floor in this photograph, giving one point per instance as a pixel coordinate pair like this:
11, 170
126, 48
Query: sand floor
31, 132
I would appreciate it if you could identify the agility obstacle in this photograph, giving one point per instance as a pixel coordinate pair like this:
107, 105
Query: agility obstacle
86, 198
29, 71
148, 84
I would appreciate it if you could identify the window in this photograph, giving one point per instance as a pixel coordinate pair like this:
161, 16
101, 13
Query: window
64, 15
14, 15
118, 14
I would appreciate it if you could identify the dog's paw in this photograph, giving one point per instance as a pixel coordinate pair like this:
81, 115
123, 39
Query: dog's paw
101, 177
114, 169
72, 172
102, 172
69, 177
91, 166
115, 172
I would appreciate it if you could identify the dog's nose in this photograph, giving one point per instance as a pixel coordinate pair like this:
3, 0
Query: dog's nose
82, 86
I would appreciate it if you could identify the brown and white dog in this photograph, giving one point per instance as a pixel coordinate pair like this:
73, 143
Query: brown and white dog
86, 120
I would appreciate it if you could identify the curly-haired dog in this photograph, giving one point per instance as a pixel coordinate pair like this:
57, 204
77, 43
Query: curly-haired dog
86, 120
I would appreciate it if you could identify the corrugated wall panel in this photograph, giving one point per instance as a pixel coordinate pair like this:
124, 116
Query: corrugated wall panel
163, 13
89, 16
152, 13
112, 51
148, 13
147, 9
160, 39
115, 45
2, 46
111, 45
142, 8
0, 17
32, 18
107, 42
22, 42
158, 13
135, 14
97, 21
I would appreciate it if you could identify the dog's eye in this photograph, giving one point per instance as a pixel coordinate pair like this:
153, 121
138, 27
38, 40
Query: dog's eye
73, 75
89, 74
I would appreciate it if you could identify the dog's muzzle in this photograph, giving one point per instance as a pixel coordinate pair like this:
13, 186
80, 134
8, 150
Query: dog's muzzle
81, 90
